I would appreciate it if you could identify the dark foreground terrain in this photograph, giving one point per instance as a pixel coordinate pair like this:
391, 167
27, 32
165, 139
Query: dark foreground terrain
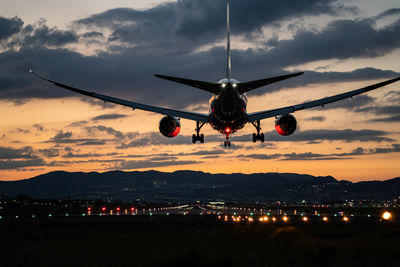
195, 241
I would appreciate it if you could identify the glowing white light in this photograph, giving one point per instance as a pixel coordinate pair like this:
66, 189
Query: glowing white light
386, 215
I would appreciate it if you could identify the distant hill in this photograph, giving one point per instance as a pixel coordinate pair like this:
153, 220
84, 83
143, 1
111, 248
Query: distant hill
192, 185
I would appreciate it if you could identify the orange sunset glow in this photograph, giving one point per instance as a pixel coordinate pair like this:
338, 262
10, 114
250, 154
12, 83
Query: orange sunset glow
112, 50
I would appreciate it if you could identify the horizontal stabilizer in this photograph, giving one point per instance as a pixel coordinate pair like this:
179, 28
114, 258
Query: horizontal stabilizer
248, 86
206, 86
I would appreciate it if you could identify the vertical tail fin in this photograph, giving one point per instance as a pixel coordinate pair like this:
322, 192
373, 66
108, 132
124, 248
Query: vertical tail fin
228, 44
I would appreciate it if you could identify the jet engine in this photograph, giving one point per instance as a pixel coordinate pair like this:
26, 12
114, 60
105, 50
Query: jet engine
285, 124
169, 126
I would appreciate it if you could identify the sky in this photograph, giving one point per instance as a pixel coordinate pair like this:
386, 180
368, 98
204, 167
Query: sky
115, 47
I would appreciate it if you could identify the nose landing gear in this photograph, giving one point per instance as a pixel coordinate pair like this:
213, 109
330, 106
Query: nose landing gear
227, 143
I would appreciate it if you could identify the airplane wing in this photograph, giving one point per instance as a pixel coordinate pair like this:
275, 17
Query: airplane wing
165, 111
320, 102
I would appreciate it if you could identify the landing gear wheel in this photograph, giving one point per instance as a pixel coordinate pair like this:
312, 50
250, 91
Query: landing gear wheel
229, 143
225, 144
198, 137
258, 136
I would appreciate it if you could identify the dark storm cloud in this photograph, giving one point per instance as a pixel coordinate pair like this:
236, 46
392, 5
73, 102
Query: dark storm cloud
389, 12
92, 34
109, 130
49, 153
88, 155
315, 156
18, 164
66, 138
347, 135
199, 22
39, 34
108, 117
8, 27
178, 28
391, 113
17, 153
341, 39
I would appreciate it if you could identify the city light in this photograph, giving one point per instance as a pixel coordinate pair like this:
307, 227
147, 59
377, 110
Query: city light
285, 218
325, 219
386, 215
346, 219
305, 219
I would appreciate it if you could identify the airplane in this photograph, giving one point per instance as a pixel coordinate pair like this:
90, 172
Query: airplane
227, 111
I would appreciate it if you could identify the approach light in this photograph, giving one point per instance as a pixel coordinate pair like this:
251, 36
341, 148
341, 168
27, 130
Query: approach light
386, 215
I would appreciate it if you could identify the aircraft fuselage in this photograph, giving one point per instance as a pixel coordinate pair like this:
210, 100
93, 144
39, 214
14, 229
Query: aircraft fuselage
228, 109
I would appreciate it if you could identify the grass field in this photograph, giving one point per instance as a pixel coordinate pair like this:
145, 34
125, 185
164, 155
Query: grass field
195, 241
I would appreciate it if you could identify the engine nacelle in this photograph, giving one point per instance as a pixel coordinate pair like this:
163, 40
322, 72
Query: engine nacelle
169, 126
285, 124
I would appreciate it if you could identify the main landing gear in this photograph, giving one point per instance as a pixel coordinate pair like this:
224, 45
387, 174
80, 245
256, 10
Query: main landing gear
257, 136
198, 137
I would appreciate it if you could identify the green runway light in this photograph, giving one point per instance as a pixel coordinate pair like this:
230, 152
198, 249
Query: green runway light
16, 217
66, 215
268, 213
33, 216
151, 214
50, 215
167, 213
251, 214
83, 214
369, 215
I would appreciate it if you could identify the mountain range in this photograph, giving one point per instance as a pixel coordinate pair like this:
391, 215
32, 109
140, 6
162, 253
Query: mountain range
193, 185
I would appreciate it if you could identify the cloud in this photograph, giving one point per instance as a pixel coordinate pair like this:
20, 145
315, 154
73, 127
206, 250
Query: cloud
391, 113
347, 135
388, 12
108, 117
194, 23
316, 118
39, 34
49, 153
18, 164
8, 27
315, 156
39, 127
17, 153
